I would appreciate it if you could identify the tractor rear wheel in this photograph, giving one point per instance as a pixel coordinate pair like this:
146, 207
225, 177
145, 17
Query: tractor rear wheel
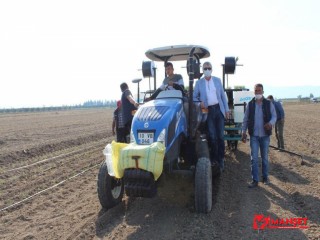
110, 189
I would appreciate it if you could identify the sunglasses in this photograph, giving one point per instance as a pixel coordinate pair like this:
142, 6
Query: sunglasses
207, 68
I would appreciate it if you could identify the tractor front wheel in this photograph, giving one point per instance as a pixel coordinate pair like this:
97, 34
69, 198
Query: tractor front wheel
203, 186
110, 189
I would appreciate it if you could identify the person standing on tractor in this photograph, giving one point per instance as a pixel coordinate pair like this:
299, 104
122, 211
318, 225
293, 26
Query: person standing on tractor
171, 81
117, 124
259, 117
279, 123
128, 105
209, 91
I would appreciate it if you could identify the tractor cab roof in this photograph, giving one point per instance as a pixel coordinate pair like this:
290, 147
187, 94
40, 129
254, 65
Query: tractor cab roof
176, 53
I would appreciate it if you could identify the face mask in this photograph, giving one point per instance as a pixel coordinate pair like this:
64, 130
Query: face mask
258, 96
207, 73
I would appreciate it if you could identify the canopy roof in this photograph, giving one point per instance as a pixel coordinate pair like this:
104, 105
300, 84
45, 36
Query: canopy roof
176, 53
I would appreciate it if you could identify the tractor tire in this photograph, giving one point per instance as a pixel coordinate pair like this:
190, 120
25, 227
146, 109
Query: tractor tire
110, 189
203, 186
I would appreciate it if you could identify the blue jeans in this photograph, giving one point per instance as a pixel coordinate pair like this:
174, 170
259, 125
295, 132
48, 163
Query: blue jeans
215, 121
263, 144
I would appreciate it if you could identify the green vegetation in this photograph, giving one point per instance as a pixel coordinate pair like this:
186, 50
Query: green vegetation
87, 104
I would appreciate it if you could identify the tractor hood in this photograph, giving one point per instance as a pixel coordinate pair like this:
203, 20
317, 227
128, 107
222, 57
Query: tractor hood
159, 120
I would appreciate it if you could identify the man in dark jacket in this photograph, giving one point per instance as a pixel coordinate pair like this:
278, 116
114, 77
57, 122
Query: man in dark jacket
128, 106
117, 124
260, 116
279, 123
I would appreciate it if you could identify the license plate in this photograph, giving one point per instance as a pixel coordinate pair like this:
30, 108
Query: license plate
145, 137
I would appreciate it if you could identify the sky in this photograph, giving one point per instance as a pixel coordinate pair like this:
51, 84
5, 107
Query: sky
55, 53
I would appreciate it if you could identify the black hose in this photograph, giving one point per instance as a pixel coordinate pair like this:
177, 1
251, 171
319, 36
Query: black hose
286, 151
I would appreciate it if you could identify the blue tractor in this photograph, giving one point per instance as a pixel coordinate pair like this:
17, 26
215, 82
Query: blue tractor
172, 122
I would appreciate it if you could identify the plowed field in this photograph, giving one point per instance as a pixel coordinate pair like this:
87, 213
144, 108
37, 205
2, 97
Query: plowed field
49, 163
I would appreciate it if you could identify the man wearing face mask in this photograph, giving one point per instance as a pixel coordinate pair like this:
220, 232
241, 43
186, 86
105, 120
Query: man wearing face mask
259, 117
209, 91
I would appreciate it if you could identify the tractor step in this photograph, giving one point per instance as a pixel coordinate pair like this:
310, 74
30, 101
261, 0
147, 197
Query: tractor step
139, 183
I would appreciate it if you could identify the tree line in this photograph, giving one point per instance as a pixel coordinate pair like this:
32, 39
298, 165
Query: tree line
86, 104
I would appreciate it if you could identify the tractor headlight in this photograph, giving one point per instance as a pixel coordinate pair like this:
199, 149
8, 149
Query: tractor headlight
162, 137
132, 139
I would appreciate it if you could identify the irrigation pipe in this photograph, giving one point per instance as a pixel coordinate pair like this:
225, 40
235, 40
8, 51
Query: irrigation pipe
45, 160
44, 190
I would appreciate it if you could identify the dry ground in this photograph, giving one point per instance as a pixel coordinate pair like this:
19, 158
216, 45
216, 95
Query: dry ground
40, 151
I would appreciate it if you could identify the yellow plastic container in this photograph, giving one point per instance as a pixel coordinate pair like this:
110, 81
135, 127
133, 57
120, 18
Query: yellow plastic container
146, 157
116, 150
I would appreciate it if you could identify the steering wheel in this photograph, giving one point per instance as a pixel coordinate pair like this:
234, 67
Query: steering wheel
179, 87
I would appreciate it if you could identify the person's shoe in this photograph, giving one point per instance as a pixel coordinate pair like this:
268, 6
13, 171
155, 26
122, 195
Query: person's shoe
214, 164
266, 181
253, 184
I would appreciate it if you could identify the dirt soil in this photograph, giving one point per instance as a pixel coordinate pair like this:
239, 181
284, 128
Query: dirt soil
49, 164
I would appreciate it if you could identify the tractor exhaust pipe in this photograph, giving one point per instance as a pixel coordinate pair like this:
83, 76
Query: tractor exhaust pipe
191, 79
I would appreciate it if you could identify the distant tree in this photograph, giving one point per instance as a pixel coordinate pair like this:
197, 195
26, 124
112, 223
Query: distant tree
311, 95
99, 103
299, 97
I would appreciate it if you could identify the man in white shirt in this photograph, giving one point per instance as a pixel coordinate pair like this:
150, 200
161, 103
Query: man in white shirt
209, 91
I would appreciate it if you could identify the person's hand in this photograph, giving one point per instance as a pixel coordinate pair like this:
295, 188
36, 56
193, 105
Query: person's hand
282, 120
170, 83
136, 105
267, 126
202, 105
244, 137
228, 115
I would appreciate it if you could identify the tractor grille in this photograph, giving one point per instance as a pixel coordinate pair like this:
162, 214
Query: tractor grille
152, 113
